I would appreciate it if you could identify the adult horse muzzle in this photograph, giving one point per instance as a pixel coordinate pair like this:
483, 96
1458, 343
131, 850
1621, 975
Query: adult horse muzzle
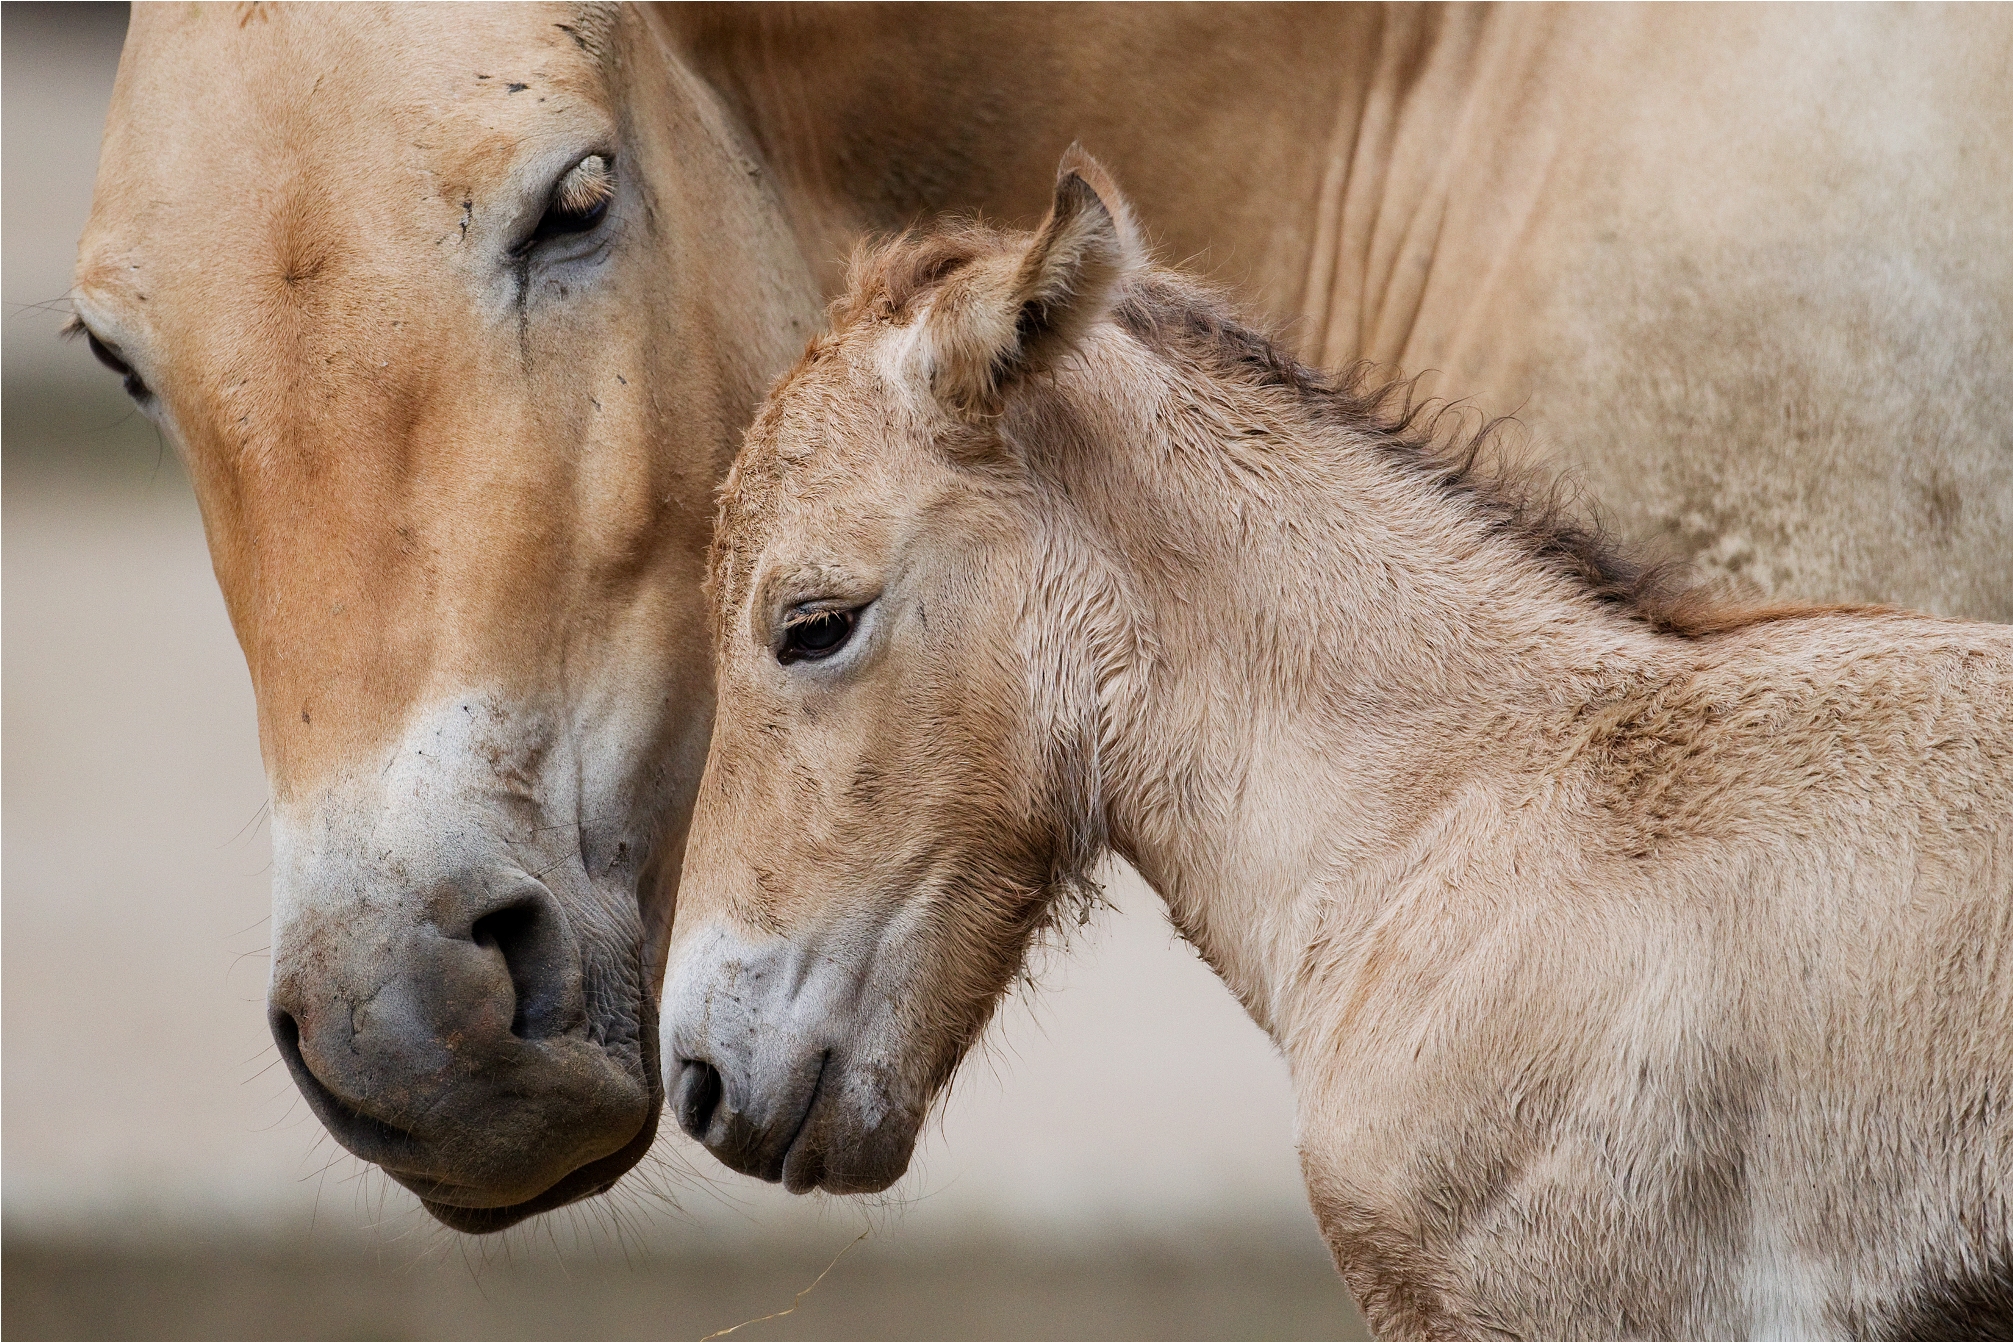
459, 983
455, 1050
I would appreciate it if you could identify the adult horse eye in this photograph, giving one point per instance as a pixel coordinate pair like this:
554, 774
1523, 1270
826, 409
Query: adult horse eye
580, 200
816, 636
104, 354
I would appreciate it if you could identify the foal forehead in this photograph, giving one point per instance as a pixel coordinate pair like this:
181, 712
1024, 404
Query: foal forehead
838, 457
837, 416
822, 458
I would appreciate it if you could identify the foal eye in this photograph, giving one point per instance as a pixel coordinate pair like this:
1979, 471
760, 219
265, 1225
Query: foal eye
817, 635
579, 202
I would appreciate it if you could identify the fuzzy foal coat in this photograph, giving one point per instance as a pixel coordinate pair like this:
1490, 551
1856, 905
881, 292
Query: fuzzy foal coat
1642, 967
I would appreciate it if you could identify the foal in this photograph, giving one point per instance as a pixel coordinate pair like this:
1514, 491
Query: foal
1643, 971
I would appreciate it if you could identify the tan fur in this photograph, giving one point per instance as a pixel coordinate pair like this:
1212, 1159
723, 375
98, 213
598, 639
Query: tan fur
1641, 975
1742, 269
458, 498
586, 186
1686, 246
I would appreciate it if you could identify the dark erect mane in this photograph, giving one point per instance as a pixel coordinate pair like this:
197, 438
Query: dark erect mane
1179, 317
1539, 512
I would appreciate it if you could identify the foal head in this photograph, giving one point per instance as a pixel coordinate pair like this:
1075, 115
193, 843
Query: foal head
902, 772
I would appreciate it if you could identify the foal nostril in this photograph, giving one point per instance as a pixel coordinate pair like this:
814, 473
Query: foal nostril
528, 937
698, 1096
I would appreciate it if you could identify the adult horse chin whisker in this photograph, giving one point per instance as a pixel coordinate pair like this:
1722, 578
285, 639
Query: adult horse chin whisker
665, 1170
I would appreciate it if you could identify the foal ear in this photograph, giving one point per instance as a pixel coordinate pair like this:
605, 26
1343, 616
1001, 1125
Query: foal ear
1085, 247
1063, 283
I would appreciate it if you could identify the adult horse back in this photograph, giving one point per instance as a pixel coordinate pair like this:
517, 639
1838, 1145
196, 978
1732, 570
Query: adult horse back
455, 316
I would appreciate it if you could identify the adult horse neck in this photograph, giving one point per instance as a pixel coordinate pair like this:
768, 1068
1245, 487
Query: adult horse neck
1686, 249
455, 317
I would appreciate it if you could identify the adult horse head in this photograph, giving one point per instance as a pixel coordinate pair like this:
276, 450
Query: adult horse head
406, 291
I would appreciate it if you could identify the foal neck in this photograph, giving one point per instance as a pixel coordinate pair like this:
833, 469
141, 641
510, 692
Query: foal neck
1343, 635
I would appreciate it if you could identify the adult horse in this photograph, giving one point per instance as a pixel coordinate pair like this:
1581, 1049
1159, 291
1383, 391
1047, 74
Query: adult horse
455, 316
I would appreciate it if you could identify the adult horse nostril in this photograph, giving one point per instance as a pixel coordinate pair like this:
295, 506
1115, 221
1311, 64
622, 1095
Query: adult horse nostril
369, 1137
699, 1090
287, 1038
455, 1048
528, 937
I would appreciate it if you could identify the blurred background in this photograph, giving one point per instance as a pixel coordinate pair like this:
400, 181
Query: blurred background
1117, 1164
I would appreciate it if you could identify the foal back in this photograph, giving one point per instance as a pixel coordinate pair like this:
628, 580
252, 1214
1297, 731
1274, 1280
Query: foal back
1739, 1061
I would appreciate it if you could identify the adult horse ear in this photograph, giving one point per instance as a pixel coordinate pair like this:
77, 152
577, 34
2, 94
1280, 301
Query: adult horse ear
1063, 283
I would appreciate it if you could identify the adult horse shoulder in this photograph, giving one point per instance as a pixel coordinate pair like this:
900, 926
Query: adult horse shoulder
456, 316
1636, 959
1688, 248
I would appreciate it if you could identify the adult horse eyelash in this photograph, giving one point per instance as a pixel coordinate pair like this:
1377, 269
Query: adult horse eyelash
136, 386
579, 201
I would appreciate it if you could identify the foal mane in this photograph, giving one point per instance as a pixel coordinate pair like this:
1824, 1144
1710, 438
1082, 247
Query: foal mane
1542, 513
